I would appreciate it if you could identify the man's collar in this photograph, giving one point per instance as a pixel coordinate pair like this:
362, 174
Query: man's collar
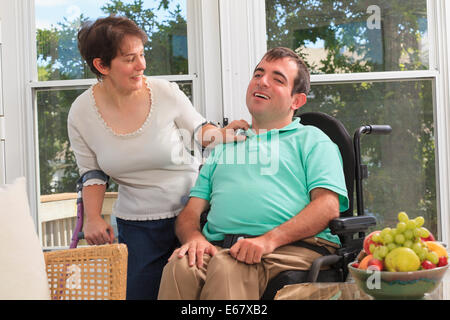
292, 126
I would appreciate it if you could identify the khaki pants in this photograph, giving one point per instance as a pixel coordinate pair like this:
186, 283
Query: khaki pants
224, 278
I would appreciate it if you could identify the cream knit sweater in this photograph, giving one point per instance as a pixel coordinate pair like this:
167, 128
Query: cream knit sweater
153, 165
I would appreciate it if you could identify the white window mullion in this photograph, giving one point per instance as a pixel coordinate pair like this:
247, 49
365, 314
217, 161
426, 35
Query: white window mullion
243, 42
2, 119
442, 117
433, 36
204, 57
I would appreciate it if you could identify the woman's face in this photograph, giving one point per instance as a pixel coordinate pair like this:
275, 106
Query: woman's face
127, 68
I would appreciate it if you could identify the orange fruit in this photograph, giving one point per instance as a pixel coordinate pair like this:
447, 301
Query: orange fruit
365, 261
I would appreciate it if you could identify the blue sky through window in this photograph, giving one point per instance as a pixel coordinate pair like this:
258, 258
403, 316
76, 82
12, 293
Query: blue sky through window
50, 12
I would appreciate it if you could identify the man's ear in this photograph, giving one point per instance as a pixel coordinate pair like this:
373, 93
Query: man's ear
299, 101
100, 66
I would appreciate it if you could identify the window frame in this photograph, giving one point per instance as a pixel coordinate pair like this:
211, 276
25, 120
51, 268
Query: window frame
438, 72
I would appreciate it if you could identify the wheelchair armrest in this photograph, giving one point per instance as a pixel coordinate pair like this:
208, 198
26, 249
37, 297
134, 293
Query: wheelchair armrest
319, 263
345, 225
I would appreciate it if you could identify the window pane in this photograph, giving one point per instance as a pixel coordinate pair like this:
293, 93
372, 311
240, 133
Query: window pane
58, 171
401, 165
57, 26
351, 36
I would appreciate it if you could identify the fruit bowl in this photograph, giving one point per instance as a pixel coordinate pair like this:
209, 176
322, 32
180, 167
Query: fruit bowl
397, 285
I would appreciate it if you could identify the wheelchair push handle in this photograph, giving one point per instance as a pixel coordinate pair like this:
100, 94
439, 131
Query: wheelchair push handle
375, 129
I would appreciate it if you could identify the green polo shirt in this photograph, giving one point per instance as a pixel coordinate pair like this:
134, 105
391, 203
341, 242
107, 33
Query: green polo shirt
256, 185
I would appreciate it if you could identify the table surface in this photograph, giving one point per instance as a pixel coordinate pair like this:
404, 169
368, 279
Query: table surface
344, 291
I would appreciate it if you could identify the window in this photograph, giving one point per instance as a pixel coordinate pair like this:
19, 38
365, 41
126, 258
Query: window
352, 36
63, 75
372, 63
164, 22
401, 165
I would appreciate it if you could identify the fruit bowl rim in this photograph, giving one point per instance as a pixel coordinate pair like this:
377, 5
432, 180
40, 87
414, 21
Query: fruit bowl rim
395, 272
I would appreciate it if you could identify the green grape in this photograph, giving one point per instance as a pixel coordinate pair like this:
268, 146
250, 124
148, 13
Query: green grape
410, 225
409, 234
388, 238
403, 217
422, 254
419, 221
376, 253
399, 238
377, 256
376, 238
401, 227
383, 251
417, 247
394, 232
372, 248
408, 244
385, 232
391, 246
416, 233
424, 233
433, 257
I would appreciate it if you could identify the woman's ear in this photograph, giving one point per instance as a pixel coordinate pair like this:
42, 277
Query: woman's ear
100, 66
299, 99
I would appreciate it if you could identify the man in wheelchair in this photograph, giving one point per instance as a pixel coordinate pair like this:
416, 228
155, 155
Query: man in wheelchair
270, 198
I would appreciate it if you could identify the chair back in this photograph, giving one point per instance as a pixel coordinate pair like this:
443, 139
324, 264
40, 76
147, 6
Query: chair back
336, 131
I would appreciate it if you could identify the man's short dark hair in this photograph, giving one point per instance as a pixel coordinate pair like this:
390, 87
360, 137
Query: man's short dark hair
302, 80
103, 38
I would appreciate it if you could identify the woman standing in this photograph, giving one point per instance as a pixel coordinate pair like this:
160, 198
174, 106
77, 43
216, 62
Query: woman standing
134, 129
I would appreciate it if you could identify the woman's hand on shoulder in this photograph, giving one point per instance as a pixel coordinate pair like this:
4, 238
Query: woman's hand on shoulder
213, 136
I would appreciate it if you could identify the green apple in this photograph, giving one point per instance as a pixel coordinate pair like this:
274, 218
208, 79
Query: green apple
402, 259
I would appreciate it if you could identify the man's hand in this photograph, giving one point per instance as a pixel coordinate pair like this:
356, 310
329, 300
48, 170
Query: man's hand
251, 250
195, 250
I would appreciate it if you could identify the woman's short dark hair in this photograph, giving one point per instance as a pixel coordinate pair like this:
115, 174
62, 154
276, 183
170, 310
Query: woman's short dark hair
103, 37
302, 80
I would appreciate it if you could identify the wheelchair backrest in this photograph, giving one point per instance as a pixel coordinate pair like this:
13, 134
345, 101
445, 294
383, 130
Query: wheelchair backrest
336, 131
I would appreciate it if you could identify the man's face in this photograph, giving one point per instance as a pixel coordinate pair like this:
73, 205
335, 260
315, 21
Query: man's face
269, 91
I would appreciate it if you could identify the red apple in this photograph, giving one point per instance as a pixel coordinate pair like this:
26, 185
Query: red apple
355, 265
375, 264
428, 265
442, 261
368, 241
429, 238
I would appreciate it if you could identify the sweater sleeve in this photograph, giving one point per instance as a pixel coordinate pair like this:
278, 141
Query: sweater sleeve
187, 119
85, 157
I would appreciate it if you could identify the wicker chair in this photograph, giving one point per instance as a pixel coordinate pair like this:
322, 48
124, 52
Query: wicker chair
88, 273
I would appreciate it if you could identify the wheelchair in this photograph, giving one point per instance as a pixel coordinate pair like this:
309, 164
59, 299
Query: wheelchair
349, 227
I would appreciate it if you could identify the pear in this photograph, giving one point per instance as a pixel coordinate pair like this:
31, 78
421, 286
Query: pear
402, 259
